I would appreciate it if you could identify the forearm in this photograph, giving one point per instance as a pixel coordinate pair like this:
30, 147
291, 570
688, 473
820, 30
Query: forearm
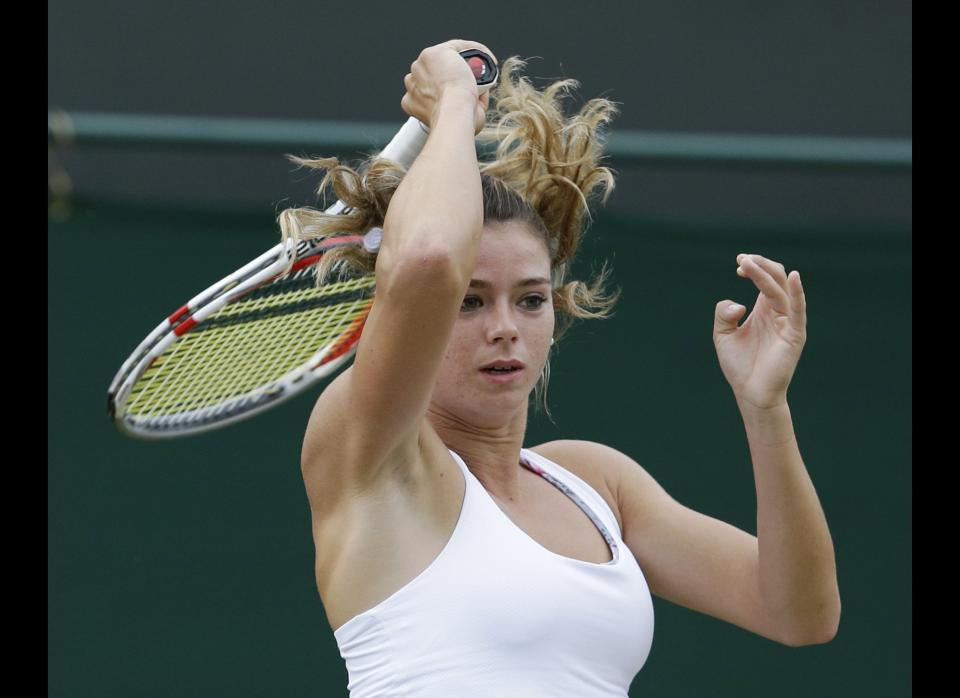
797, 566
438, 208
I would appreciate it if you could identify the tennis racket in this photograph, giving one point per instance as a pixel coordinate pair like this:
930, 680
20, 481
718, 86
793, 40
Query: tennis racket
259, 336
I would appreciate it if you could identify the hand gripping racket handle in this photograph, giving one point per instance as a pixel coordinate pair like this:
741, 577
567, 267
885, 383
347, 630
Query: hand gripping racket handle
404, 147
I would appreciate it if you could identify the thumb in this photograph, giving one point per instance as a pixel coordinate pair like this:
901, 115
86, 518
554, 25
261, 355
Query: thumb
727, 316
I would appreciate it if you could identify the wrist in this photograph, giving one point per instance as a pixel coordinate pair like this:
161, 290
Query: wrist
465, 92
755, 406
767, 426
457, 102
456, 96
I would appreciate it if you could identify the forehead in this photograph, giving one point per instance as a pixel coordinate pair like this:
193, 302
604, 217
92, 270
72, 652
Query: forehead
511, 248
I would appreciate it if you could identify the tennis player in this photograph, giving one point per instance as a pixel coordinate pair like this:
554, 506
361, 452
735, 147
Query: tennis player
450, 559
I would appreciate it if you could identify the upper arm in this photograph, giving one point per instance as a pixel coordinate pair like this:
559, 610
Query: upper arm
374, 410
688, 558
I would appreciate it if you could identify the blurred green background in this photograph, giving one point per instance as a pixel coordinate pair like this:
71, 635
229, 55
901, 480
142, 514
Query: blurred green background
186, 568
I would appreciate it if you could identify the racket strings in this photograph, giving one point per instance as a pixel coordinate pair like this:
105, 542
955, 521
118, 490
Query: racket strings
251, 368
251, 344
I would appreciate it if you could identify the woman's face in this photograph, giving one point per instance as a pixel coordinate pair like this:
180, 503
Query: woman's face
506, 316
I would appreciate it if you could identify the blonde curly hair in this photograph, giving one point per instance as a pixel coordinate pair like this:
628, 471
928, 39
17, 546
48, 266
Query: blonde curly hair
540, 167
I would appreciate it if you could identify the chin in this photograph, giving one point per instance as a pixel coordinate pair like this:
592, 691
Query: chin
492, 408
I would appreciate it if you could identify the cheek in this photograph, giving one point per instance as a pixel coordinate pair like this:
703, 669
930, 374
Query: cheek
550, 324
456, 357
458, 344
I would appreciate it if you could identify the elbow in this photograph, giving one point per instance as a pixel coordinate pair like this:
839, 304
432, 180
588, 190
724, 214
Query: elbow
414, 245
822, 638
831, 628
820, 633
433, 266
436, 259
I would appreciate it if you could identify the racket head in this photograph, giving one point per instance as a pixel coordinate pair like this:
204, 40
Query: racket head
243, 350
260, 335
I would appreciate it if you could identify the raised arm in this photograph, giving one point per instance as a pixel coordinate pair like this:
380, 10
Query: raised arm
781, 583
370, 416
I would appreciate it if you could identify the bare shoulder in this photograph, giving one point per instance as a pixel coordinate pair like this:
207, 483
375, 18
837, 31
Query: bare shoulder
603, 467
688, 558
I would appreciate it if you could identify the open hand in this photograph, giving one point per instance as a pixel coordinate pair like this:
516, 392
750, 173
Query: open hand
758, 358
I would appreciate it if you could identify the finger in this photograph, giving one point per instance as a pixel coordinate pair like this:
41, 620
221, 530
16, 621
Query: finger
406, 104
766, 283
775, 269
798, 301
417, 71
779, 272
480, 122
462, 45
726, 315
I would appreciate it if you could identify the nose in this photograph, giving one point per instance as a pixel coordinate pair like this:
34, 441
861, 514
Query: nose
502, 324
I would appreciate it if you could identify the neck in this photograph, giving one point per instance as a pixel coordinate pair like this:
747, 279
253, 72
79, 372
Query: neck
492, 451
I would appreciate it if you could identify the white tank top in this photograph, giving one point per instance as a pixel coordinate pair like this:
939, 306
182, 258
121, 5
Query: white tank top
497, 614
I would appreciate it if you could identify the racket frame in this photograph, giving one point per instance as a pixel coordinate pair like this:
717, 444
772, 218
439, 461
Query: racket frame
403, 149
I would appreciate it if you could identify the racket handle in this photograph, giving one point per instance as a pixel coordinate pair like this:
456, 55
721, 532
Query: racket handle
409, 141
404, 147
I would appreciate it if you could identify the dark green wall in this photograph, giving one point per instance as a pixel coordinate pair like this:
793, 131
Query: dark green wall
186, 568
812, 68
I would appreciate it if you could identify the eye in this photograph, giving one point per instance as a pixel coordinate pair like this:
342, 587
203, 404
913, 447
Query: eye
470, 303
534, 302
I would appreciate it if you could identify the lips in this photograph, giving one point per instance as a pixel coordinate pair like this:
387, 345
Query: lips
503, 372
502, 367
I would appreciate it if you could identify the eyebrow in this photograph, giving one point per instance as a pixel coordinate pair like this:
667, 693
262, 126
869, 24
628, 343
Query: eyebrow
534, 281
